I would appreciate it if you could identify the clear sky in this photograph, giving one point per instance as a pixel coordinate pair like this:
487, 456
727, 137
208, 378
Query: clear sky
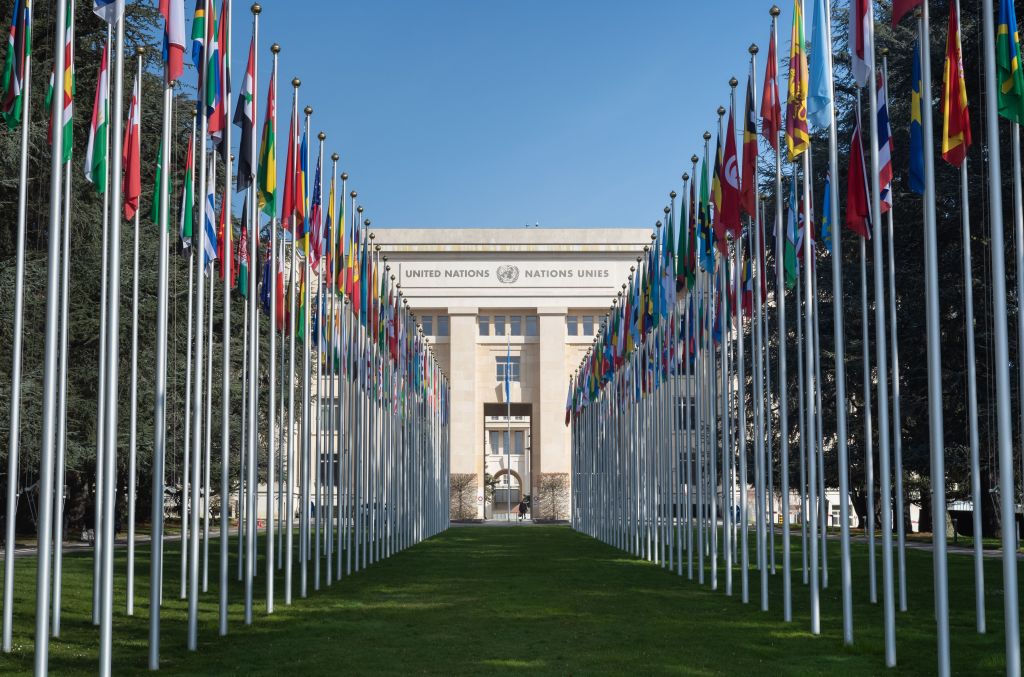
474, 113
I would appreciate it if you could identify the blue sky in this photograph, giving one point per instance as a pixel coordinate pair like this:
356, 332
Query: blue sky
473, 113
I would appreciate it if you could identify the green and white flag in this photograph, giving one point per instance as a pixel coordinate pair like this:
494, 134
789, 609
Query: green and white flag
187, 198
154, 212
96, 150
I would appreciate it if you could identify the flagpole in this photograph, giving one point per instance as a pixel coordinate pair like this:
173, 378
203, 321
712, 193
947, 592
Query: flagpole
272, 424
14, 432
888, 605
185, 475
333, 425
229, 274
207, 449
197, 377
290, 501
304, 448
160, 399
110, 366
1011, 617
787, 583
134, 380
318, 365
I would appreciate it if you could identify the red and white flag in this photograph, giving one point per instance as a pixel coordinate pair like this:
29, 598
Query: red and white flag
131, 156
860, 18
173, 12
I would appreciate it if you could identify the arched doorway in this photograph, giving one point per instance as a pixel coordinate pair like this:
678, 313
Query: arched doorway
508, 490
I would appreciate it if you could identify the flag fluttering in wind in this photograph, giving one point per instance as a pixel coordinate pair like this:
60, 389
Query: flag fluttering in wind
748, 183
819, 95
901, 8
729, 219
19, 47
916, 178
289, 208
187, 197
315, 218
96, 150
209, 221
884, 145
67, 91
797, 136
267, 180
956, 119
1008, 65
790, 260
858, 214
173, 12
131, 154
243, 256
154, 210
771, 108
860, 15
199, 35
108, 10
245, 120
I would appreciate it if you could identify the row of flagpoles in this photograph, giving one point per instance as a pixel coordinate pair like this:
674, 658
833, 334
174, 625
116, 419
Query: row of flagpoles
673, 352
369, 453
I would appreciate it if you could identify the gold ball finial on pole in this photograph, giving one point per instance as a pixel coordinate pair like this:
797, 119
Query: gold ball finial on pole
256, 8
672, 195
344, 176
296, 83
733, 82
321, 136
308, 110
753, 49
775, 11
335, 157
275, 48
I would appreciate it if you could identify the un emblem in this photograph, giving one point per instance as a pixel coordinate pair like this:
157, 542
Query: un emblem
508, 274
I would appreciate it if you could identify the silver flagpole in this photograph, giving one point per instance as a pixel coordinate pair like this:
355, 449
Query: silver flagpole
935, 423
111, 368
318, 366
156, 558
304, 447
839, 334
780, 300
227, 261
272, 424
888, 606
209, 412
188, 390
289, 510
243, 444
341, 387
133, 395
197, 388
62, 383
334, 429
1011, 617
897, 417
14, 433
802, 413
51, 363
725, 447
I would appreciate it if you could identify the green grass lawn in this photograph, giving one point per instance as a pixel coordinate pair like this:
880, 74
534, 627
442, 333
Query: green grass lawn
478, 600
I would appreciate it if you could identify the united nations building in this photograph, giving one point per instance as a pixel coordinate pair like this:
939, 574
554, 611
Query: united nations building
522, 304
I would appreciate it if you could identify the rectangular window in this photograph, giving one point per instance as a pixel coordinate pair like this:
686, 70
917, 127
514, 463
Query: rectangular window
572, 325
484, 322
442, 325
428, 325
518, 437
495, 447
531, 325
510, 363
499, 325
505, 448
515, 323
681, 414
588, 325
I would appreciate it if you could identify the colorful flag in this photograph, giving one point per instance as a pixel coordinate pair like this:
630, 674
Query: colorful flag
96, 150
826, 215
748, 184
916, 131
797, 136
108, 10
267, 180
187, 189
243, 256
209, 221
1008, 66
792, 235
707, 257
19, 48
860, 15
216, 82
199, 35
302, 191
173, 12
130, 157
246, 121
771, 112
315, 217
819, 94
900, 8
858, 215
884, 145
279, 287
67, 89
956, 119
729, 219
290, 208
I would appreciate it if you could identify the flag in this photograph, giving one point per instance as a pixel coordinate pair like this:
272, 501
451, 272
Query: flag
199, 35
225, 256
290, 208
108, 10
729, 220
826, 215
209, 221
173, 12
956, 120
187, 189
267, 180
797, 136
819, 94
860, 16
858, 215
329, 236
301, 190
67, 90
300, 325
916, 132
748, 185
707, 257
316, 217
900, 8
771, 113
245, 120
19, 48
130, 156
792, 235
265, 288
884, 145
96, 150
1008, 66
154, 210
216, 82
243, 256
279, 293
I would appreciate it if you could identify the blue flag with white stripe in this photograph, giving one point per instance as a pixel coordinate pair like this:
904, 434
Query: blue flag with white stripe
108, 10
209, 224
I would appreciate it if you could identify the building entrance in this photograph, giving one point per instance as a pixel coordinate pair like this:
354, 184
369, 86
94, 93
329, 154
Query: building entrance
507, 457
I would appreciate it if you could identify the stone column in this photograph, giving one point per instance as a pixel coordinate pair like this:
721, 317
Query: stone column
466, 456
550, 453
